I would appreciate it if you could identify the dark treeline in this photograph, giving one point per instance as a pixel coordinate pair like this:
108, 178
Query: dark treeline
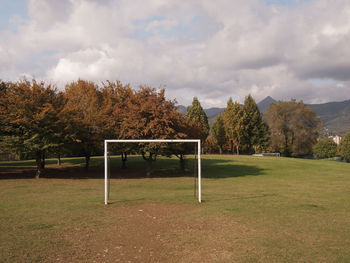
38, 121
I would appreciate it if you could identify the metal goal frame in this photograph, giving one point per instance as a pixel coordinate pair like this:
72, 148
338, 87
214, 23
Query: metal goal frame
149, 141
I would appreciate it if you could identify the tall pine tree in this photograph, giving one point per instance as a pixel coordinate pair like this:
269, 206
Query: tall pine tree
256, 133
233, 121
197, 114
218, 132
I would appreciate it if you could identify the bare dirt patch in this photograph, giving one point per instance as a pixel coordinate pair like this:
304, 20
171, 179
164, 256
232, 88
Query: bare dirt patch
155, 233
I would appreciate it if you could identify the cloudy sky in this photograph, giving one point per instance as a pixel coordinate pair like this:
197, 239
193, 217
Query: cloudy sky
210, 49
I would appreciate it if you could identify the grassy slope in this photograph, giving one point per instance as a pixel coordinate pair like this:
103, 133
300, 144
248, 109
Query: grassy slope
262, 210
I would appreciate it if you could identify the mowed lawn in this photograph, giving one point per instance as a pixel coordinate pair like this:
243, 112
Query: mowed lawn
255, 209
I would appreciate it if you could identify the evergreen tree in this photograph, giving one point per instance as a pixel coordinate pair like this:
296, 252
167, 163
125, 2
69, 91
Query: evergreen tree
256, 130
218, 132
233, 122
197, 114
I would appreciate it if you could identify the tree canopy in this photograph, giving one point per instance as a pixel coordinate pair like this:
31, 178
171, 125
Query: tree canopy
81, 114
32, 119
37, 120
294, 127
256, 132
234, 124
218, 132
196, 114
345, 147
325, 148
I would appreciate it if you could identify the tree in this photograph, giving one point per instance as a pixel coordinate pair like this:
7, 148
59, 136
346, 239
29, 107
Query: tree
218, 132
150, 116
186, 129
325, 148
210, 146
345, 147
294, 127
233, 122
32, 117
5, 126
197, 114
60, 138
82, 116
255, 129
115, 100
3, 108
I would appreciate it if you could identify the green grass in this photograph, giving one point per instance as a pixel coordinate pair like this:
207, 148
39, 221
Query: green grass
263, 209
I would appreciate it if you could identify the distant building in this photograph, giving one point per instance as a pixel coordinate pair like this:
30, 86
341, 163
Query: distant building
336, 139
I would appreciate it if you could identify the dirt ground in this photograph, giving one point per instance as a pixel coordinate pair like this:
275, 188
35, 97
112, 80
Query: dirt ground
155, 232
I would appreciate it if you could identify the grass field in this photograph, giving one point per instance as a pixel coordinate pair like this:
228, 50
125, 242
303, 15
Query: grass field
254, 210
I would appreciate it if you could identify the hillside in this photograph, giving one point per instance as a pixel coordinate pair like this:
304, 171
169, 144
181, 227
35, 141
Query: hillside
335, 116
265, 103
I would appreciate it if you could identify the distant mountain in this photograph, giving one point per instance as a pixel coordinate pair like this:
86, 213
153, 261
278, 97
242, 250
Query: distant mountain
181, 108
335, 116
265, 103
212, 112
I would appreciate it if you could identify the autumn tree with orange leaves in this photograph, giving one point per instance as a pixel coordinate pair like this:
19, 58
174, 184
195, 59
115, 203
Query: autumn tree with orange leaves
151, 116
82, 115
30, 110
114, 109
37, 120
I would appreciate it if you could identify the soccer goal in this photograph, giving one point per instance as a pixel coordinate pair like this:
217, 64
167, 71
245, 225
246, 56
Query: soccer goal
198, 153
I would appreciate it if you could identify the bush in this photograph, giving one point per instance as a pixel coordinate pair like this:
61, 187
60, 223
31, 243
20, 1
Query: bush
345, 147
325, 148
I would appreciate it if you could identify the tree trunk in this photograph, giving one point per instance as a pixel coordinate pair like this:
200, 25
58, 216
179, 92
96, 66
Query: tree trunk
40, 164
220, 149
232, 148
149, 167
59, 159
149, 162
124, 158
87, 161
237, 149
43, 160
182, 164
286, 147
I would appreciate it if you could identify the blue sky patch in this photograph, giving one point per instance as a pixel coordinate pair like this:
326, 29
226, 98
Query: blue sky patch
9, 9
291, 3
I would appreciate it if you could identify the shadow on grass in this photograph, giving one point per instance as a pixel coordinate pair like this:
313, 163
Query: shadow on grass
222, 168
213, 168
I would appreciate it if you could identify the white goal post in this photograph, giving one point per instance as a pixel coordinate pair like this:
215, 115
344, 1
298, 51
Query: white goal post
148, 141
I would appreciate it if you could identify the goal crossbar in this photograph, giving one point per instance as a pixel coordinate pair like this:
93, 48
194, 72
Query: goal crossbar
149, 141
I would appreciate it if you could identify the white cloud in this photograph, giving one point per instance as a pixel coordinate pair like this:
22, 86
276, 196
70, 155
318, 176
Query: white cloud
212, 50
